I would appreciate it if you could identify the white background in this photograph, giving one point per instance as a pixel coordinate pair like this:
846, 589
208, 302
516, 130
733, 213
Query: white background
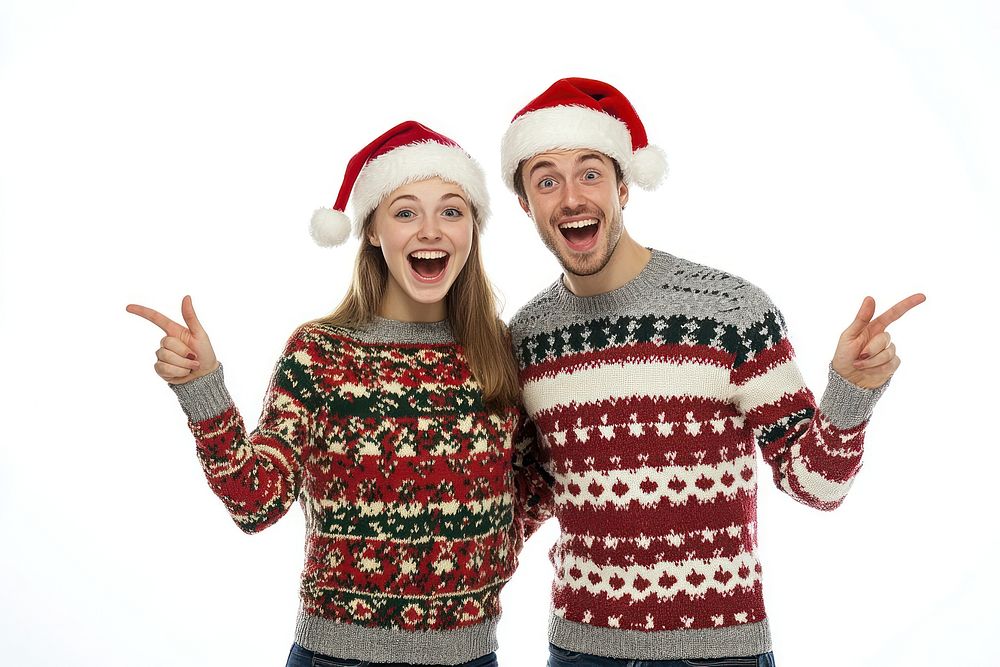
149, 150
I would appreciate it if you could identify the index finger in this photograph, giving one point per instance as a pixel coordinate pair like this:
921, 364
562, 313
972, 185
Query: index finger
154, 316
897, 311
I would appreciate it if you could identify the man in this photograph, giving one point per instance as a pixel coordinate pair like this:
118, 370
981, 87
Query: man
652, 380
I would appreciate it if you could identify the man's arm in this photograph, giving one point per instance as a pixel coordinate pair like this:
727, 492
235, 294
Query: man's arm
533, 495
814, 451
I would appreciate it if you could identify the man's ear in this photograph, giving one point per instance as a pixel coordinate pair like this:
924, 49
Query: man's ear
622, 193
524, 205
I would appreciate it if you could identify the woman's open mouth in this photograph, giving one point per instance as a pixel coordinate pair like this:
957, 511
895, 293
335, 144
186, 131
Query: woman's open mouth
428, 266
580, 235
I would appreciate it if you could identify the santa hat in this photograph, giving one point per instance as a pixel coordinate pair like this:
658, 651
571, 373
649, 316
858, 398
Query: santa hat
407, 153
583, 113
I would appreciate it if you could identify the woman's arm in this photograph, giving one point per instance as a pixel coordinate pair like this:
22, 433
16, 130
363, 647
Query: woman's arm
257, 475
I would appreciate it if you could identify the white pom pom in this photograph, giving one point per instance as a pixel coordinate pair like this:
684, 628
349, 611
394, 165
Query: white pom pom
649, 167
329, 227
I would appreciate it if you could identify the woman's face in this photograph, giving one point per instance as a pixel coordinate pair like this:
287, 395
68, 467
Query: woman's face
424, 230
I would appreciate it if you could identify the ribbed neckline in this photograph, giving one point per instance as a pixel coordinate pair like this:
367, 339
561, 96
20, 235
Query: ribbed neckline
628, 294
385, 330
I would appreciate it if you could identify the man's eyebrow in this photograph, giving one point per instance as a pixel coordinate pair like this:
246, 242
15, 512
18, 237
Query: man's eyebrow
590, 156
544, 164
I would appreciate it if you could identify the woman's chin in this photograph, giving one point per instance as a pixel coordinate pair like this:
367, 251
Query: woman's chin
423, 293
427, 295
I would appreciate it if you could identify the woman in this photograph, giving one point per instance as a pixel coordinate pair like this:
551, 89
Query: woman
393, 421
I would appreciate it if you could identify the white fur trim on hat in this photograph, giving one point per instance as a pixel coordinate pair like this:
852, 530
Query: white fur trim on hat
649, 167
564, 128
329, 227
417, 162
574, 127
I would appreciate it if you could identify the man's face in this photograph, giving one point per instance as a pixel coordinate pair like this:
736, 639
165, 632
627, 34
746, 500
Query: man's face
576, 203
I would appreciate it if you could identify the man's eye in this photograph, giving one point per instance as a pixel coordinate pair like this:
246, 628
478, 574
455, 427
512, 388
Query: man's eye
591, 175
546, 183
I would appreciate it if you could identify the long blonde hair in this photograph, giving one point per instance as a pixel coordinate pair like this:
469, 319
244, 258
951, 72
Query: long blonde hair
471, 311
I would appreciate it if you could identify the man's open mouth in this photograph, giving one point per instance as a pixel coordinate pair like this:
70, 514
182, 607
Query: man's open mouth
428, 265
580, 234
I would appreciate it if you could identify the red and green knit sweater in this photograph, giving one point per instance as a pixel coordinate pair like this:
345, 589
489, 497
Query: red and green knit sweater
651, 402
404, 477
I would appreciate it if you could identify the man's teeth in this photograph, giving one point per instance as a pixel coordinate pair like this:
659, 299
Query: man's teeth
577, 224
428, 254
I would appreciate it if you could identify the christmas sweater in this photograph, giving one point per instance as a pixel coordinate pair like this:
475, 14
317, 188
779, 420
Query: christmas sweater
650, 402
404, 477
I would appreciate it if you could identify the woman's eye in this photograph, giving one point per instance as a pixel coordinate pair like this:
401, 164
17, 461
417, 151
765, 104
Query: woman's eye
452, 213
405, 214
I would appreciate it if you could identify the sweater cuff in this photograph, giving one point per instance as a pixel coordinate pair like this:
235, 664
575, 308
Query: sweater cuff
846, 404
205, 397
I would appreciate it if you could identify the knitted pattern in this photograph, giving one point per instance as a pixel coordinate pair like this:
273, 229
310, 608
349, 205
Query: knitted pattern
651, 401
404, 477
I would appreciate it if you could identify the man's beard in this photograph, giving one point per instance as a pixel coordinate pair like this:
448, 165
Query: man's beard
614, 235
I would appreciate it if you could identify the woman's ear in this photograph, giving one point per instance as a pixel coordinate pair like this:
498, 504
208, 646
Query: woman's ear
371, 235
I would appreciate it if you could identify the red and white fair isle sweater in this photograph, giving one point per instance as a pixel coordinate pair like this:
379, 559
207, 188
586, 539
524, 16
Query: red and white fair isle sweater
651, 402
406, 480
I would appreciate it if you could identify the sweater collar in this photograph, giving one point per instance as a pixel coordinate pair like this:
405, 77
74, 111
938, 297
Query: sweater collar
627, 295
382, 330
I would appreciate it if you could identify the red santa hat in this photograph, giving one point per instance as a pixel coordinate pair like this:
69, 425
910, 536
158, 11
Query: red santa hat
583, 113
407, 153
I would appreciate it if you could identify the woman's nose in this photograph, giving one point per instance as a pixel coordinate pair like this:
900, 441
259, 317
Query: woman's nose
430, 229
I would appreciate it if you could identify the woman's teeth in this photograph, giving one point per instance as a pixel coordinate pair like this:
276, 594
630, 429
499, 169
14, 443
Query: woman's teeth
429, 264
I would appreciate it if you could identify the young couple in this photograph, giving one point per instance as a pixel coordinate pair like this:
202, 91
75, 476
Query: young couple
647, 383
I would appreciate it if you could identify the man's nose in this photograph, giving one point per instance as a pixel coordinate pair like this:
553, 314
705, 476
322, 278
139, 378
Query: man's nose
572, 195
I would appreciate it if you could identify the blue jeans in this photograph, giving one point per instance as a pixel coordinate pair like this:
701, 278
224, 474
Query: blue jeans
303, 657
560, 657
